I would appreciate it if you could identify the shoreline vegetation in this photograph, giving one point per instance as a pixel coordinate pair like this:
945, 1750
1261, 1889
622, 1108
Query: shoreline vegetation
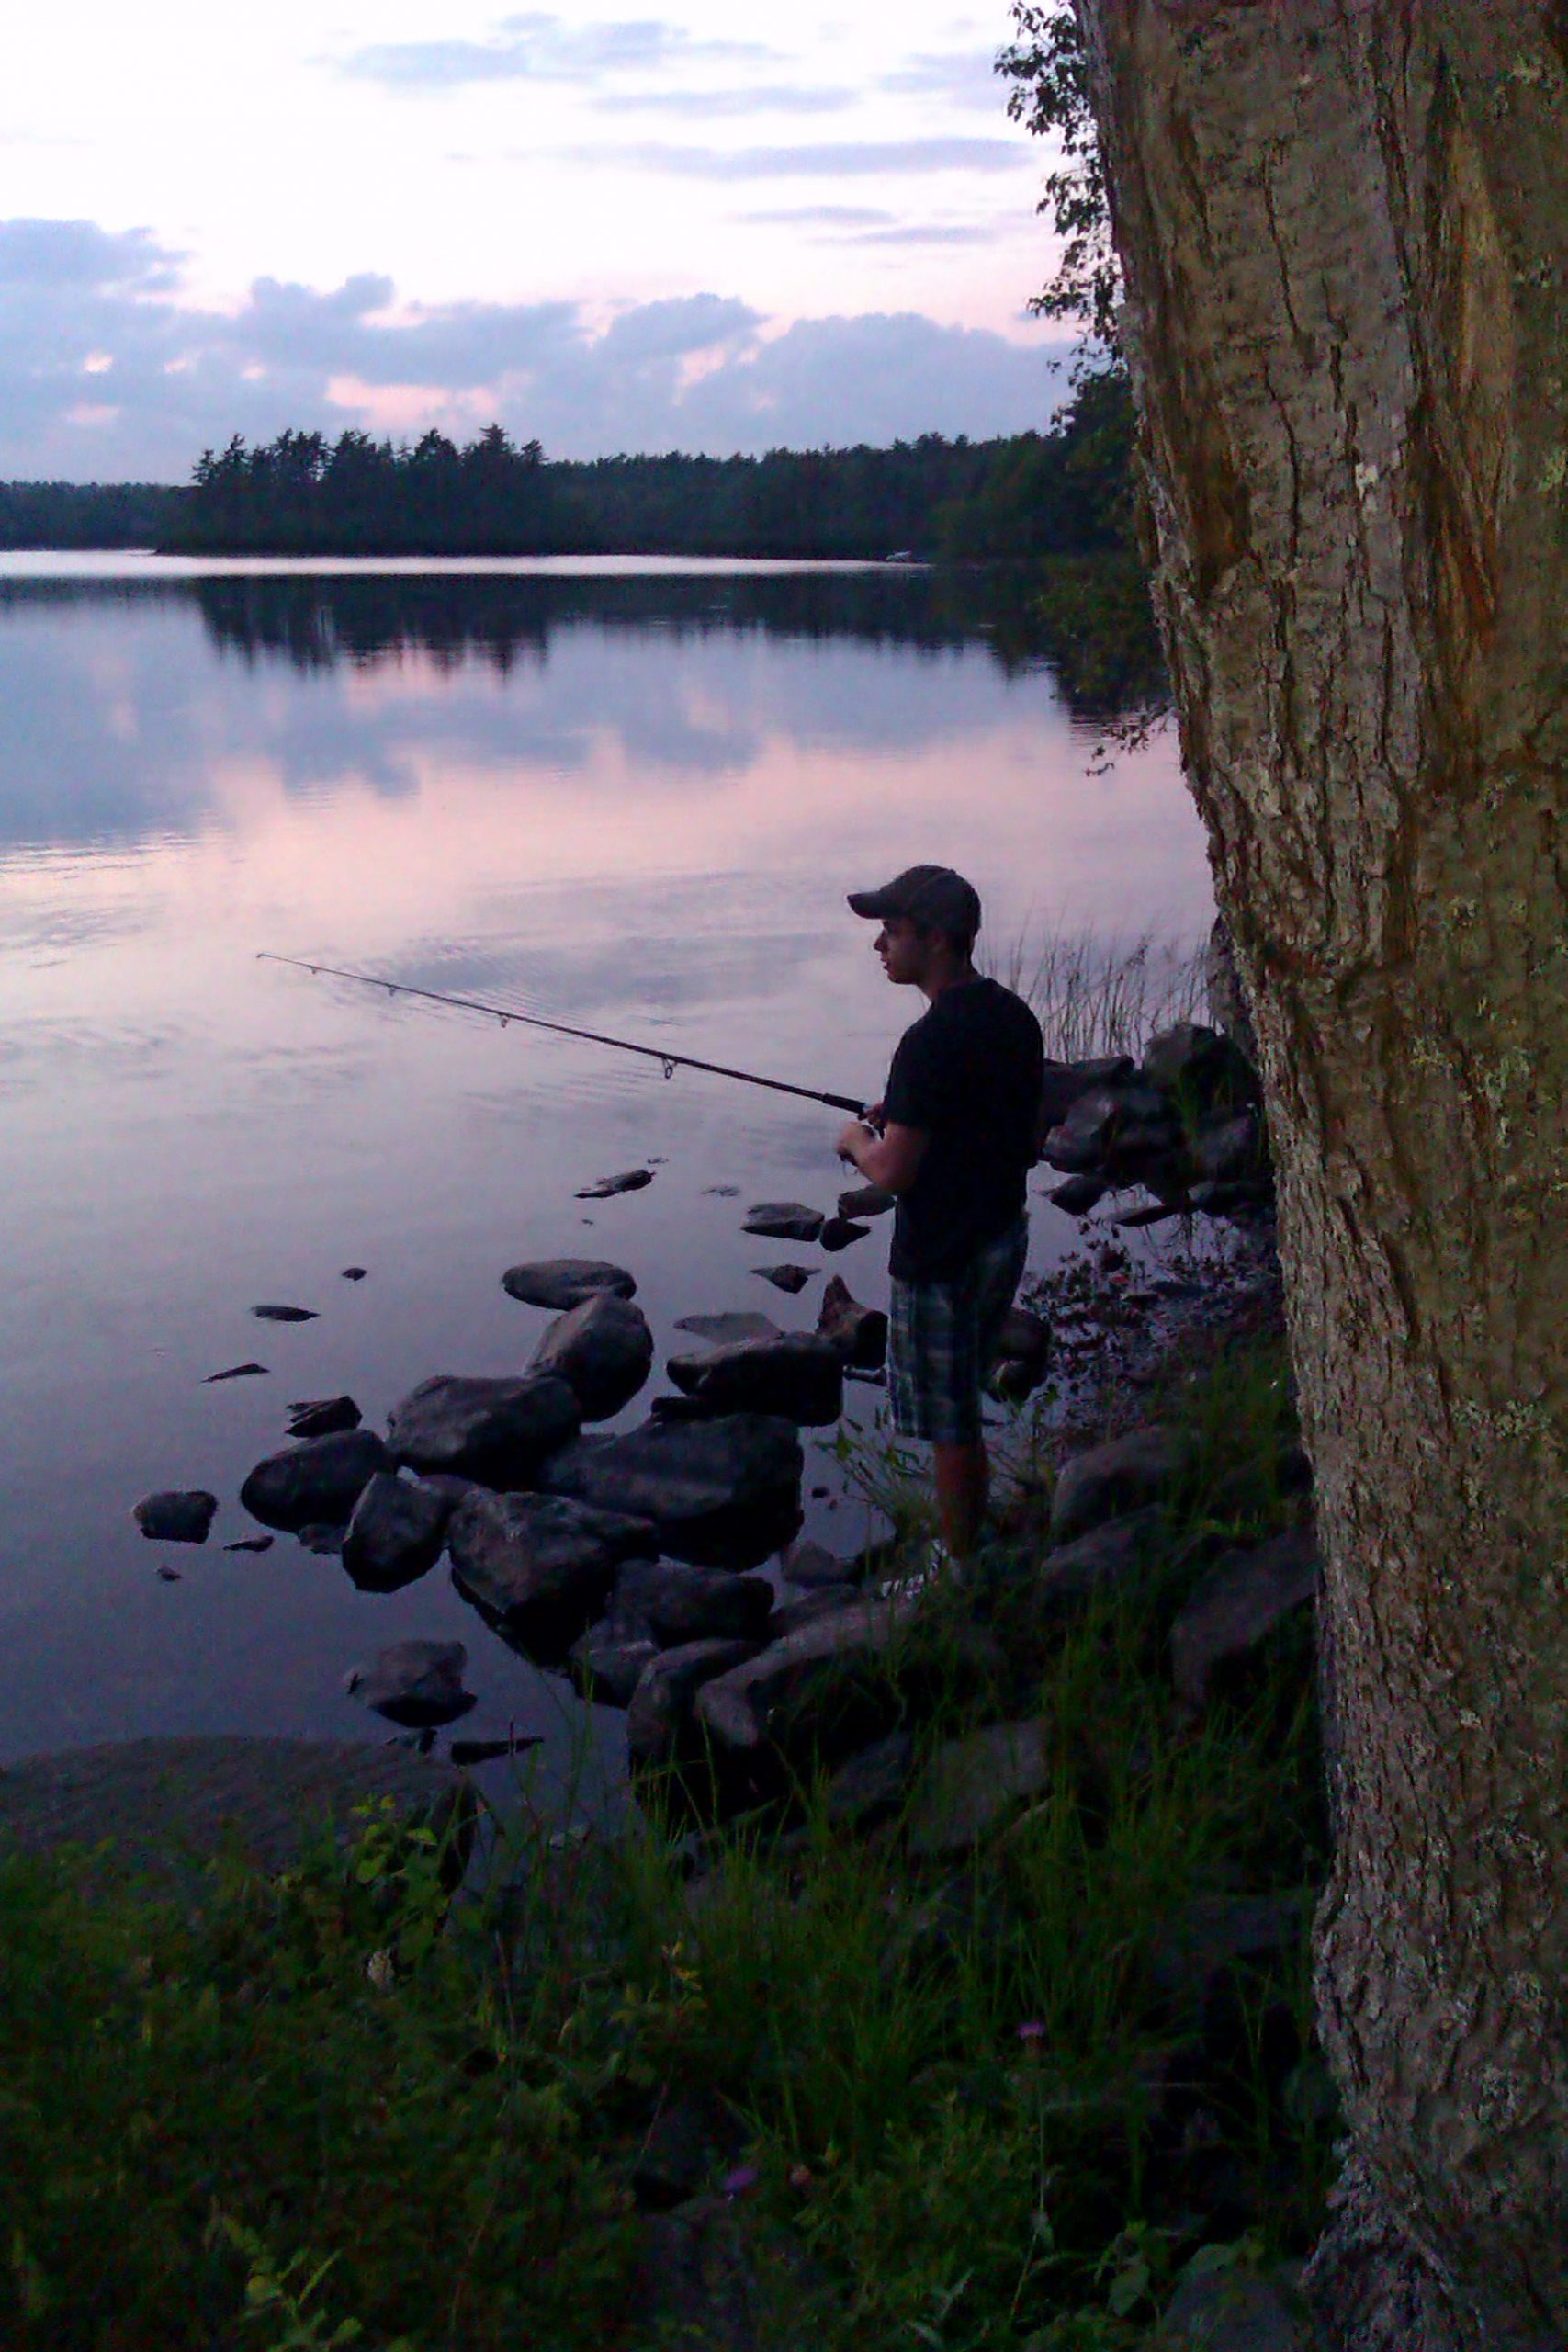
997, 2034
893, 2064
1022, 498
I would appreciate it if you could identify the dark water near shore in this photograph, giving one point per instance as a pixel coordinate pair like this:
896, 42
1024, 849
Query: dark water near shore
630, 797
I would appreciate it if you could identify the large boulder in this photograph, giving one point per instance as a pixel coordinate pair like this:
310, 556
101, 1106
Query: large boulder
1110, 1559
606, 1661
565, 1282
821, 1688
497, 1431
416, 1683
798, 1374
1062, 1082
722, 1493
541, 1566
603, 1348
1229, 1149
687, 1604
972, 1783
1113, 1126
1201, 1067
316, 1482
395, 1533
1142, 1468
1245, 1597
660, 1715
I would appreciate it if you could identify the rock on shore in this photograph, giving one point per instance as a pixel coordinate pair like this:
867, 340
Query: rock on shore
315, 1483
722, 1493
603, 1348
541, 1565
497, 1431
566, 1282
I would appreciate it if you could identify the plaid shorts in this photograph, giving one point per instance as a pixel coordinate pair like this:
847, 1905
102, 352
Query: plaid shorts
943, 1339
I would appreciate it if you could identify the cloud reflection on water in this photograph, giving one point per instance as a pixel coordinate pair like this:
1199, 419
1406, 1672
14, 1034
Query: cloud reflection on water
641, 818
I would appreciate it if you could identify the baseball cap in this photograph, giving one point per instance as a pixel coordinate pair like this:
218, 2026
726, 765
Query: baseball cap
926, 894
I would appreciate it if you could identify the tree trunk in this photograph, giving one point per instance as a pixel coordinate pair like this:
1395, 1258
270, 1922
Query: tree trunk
1344, 227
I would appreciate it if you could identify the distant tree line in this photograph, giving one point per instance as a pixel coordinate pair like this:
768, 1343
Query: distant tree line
88, 515
1065, 490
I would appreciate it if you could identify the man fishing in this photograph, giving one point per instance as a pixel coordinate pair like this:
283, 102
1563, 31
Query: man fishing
953, 1140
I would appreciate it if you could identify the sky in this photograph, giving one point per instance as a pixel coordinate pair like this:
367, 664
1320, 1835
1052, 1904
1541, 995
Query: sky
726, 227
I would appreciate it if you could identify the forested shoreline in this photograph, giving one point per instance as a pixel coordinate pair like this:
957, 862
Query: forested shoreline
88, 513
1026, 495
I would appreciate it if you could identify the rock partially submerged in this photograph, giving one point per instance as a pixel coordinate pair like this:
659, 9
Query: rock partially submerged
838, 1232
784, 1221
286, 1313
631, 1180
866, 1200
564, 1283
787, 1277
795, 1374
319, 1416
418, 1684
396, 1533
316, 1482
724, 1330
1188, 1119
603, 1348
177, 1515
496, 1430
858, 1333
236, 1372
723, 1492
606, 1662
541, 1565
1023, 1357
812, 1566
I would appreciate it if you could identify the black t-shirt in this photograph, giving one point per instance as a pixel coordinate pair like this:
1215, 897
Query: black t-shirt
969, 1074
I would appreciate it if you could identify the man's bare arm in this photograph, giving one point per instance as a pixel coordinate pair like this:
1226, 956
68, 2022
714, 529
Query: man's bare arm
891, 1159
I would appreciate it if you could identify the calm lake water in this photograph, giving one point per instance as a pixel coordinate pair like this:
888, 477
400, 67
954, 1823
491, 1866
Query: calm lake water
629, 796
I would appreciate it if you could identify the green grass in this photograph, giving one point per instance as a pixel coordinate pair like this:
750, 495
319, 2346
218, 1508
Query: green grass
945, 2077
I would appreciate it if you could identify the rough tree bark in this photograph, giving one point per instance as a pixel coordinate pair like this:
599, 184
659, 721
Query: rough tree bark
1344, 227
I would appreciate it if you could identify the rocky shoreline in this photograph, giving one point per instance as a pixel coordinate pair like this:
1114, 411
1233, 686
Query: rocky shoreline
629, 1561
782, 1703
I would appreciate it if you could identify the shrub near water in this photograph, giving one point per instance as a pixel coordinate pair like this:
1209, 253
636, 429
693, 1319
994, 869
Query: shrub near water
946, 2081
190, 2108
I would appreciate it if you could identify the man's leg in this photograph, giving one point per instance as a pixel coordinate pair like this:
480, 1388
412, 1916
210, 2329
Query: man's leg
962, 1477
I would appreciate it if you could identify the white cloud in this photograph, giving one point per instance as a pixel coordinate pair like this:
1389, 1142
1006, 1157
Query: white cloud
834, 159
536, 47
83, 305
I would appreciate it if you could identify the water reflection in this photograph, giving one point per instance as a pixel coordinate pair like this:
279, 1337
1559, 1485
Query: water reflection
631, 802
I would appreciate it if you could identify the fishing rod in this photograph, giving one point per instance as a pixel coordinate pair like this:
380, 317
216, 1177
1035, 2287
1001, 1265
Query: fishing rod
505, 1015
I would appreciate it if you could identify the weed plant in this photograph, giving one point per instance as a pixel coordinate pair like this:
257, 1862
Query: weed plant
961, 2112
1094, 996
